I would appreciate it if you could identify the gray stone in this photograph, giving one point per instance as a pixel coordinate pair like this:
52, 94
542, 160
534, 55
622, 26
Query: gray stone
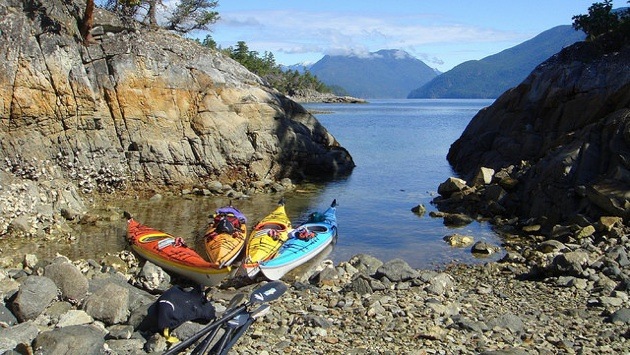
621, 316
508, 321
154, 278
494, 193
35, 294
109, 304
570, 263
359, 285
126, 346
22, 333
74, 317
120, 331
620, 255
483, 177
396, 270
441, 284
551, 246
365, 263
78, 339
484, 248
457, 219
6, 316
69, 279
451, 185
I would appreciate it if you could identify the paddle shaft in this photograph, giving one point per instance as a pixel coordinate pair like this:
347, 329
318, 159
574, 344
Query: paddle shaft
235, 337
185, 343
263, 294
205, 343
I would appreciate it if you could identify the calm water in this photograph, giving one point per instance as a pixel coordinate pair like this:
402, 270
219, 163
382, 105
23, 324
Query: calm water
399, 147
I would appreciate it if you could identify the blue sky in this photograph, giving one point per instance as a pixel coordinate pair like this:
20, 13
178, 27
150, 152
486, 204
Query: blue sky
442, 33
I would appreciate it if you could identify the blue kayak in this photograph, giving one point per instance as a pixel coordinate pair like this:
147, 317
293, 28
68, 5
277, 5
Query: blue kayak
303, 243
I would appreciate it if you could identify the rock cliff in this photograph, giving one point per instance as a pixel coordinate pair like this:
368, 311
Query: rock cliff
563, 134
138, 107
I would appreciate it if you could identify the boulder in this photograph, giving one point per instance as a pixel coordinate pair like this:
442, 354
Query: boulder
365, 263
77, 339
450, 186
564, 132
22, 333
35, 294
69, 279
396, 270
108, 304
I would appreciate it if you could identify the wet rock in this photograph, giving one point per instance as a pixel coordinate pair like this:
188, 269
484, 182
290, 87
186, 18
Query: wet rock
458, 240
419, 209
457, 219
452, 185
483, 177
484, 248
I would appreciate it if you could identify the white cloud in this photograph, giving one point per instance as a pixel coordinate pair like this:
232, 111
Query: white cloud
291, 33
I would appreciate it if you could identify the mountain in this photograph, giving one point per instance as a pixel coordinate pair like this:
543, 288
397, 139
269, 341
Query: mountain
383, 74
300, 67
493, 75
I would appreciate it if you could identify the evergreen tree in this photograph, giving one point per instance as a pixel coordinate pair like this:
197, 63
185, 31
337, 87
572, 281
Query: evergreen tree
601, 20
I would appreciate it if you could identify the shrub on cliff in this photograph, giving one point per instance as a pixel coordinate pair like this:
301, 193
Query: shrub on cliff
601, 19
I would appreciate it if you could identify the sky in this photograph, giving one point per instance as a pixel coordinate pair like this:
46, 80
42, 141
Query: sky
441, 33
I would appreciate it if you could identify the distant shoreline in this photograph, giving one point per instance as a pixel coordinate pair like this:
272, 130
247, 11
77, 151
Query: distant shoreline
327, 99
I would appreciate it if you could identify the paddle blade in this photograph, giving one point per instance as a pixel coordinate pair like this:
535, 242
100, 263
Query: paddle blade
260, 311
268, 292
238, 321
235, 301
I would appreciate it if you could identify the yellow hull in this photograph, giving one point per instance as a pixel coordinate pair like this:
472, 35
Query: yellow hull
265, 240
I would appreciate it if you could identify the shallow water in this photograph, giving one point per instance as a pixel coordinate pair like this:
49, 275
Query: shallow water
399, 147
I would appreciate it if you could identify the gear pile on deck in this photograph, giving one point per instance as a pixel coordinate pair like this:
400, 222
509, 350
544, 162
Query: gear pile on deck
273, 248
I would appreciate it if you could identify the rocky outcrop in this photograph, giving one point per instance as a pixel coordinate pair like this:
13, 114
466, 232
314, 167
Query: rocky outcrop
310, 96
139, 108
561, 136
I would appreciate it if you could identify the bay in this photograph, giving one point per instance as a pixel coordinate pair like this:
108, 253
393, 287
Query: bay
399, 147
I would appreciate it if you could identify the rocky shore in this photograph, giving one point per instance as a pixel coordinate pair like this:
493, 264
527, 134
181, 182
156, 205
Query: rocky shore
546, 298
312, 96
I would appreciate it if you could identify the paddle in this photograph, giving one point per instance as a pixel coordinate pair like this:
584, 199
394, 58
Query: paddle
259, 312
232, 325
265, 293
203, 346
